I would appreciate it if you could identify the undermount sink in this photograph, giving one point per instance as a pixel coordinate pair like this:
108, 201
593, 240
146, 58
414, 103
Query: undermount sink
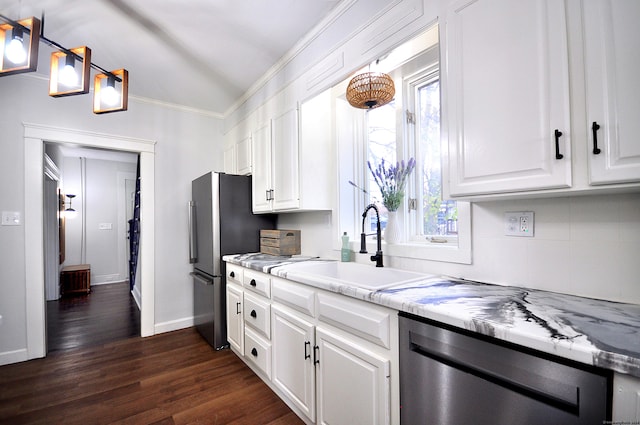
352, 274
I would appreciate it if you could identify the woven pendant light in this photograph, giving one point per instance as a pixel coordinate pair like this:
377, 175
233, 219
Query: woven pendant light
370, 90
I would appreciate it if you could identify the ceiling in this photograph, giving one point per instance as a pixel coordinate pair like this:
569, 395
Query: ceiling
202, 54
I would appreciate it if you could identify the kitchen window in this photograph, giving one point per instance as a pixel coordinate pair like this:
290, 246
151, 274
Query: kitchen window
409, 126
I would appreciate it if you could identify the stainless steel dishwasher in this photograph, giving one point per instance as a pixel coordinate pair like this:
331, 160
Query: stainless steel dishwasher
453, 377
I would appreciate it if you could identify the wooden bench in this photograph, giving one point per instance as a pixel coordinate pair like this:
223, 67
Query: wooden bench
75, 279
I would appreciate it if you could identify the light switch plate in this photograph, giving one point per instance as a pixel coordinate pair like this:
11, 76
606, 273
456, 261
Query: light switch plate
105, 226
11, 218
519, 223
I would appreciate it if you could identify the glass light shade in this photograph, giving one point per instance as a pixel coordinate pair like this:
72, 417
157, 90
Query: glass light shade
68, 76
110, 96
19, 46
70, 71
16, 52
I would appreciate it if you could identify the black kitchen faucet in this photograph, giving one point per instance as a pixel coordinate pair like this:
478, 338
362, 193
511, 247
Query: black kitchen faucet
363, 236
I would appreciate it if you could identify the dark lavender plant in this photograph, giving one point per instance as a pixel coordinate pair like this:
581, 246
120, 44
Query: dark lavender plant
392, 181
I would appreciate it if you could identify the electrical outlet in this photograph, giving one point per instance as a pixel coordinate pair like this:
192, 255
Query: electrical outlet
519, 223
11, 218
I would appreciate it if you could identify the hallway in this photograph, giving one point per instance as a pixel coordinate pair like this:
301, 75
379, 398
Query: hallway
109, 313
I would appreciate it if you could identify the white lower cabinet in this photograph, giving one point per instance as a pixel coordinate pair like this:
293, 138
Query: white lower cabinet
333, 359
293, 359
235, 322
353, 383
626, 399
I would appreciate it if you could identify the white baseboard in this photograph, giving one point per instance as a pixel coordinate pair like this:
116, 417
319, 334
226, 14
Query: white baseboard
137, 296
173, 325
107, 278
9, 357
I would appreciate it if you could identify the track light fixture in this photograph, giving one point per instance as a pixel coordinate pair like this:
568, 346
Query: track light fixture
70, 68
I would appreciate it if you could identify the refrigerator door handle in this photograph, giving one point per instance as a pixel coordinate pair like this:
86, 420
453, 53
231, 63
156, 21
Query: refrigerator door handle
201, 279
193, 250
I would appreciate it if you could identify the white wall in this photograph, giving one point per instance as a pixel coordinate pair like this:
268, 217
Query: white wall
96, 203
188, 145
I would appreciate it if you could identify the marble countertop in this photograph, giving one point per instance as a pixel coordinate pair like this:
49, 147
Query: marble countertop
596, 332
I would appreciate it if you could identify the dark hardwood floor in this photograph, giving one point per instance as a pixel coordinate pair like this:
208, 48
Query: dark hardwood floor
99, 371
171, 378
108, 313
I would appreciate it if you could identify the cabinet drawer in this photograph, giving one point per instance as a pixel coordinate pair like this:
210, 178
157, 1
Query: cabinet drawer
234, 273
257, 282
257, 314
258, 351
367, 321
294, 295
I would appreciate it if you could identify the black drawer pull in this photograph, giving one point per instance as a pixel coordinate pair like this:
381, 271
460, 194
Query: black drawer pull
232, 274
238, 308
316, 356
594, 128
254, 314
254, 352
557, 134
253, 282
306, 353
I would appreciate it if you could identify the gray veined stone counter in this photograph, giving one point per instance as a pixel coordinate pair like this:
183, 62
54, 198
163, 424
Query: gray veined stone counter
597, 332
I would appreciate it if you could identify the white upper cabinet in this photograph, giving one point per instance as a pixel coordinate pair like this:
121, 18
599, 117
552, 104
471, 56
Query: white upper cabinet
284, 159
506, 93
243, 156
612, 59
292, 159
261, 160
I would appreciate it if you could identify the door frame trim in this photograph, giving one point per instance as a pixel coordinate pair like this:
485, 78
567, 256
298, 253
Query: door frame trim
35, 135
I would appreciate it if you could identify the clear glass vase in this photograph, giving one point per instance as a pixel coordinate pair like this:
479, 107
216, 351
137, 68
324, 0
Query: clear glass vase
392, 232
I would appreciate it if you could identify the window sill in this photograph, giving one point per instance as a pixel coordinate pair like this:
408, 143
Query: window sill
424, 251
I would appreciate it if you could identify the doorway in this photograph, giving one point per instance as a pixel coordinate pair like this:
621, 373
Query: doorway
93, 304
34, 137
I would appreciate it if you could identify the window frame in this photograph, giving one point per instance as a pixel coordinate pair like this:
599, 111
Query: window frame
424, 247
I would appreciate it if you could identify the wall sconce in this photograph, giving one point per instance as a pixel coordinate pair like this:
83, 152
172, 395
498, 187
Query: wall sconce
64, 79
19, 46
70, 212
111, 91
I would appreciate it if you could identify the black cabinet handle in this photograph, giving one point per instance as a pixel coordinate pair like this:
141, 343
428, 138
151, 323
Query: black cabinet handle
254, 314
557, 135
306, 353
232, 274
316, 352
594, 128
253, 282
254, 352
238, 308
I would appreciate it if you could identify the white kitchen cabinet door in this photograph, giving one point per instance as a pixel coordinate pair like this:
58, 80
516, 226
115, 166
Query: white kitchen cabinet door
243, 156
285, 161
505, 93
261, 161
293, 369
353, 383
229, 156
612, 67
235, 321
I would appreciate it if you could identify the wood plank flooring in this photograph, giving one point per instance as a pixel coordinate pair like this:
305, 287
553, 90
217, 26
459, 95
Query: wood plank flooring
99, 371
171, 378
108, 313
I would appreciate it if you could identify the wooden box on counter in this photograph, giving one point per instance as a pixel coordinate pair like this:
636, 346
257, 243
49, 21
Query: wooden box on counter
280, 242
75, 279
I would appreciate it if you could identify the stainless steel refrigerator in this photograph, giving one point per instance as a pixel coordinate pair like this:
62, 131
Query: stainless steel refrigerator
221, 222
